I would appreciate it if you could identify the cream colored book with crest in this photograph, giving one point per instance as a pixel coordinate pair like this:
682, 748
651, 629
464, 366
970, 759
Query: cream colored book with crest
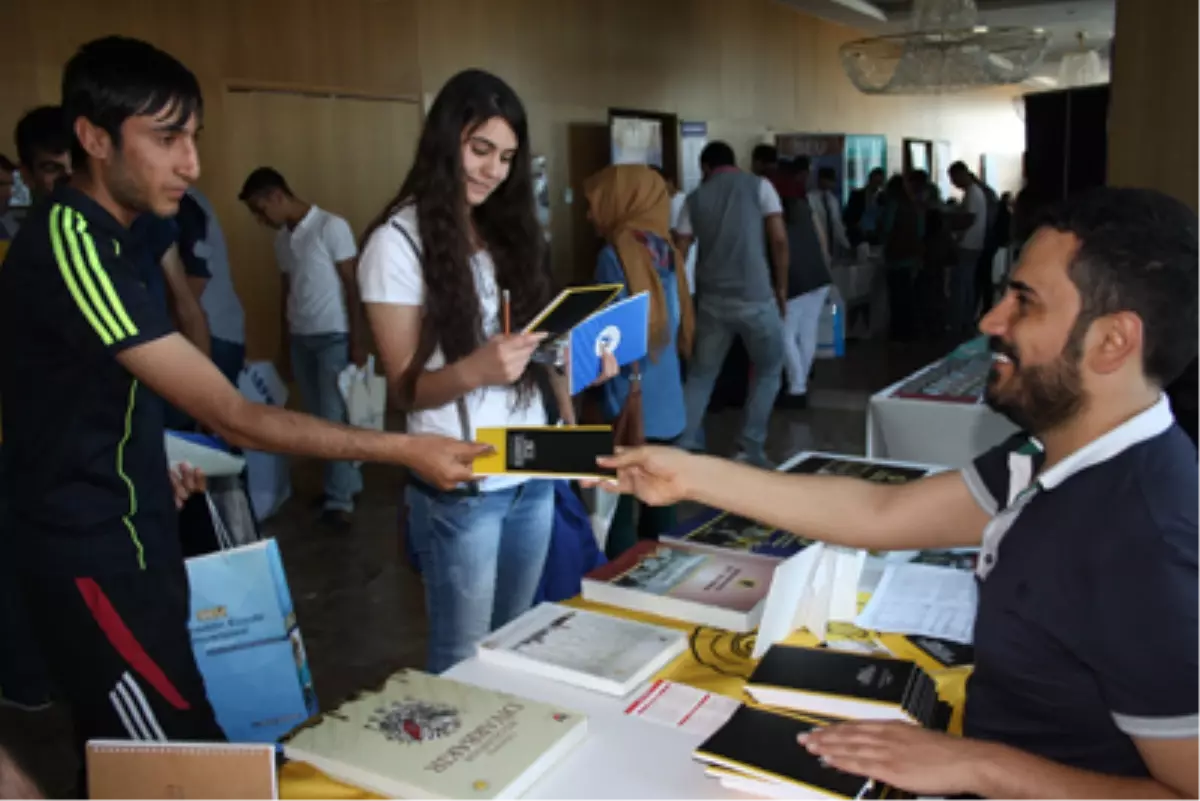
423, 736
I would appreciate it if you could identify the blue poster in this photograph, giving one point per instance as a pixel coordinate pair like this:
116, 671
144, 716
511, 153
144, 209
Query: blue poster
247, 644
621, 328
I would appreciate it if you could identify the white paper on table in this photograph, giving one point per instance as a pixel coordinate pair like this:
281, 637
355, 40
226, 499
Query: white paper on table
790, 583
813, 613
843, 604
928, 600
682, 707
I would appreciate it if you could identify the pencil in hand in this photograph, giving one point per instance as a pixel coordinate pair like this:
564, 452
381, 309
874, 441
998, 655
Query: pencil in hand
506, 311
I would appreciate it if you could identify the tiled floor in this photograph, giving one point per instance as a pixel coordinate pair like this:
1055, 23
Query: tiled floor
361, 608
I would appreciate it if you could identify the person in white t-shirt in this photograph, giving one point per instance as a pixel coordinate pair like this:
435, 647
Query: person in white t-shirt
971, 239
435, 265
315, 251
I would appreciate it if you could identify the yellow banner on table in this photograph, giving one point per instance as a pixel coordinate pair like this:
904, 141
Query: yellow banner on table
717, 662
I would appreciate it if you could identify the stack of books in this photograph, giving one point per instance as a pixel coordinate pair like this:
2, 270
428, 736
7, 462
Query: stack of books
800, 689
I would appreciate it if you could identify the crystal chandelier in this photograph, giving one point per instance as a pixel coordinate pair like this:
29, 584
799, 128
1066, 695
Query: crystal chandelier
946, 51
1082, 67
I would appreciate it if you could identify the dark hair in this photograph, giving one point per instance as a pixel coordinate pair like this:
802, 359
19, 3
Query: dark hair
766, 154
109, 80
876, 171
1137, 252
506, 222
261, 181
44, 129
959, 166
827, 174
717, 154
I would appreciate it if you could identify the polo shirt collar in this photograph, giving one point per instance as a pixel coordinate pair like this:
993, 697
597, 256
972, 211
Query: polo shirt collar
98, 217
307, 219
1139, 428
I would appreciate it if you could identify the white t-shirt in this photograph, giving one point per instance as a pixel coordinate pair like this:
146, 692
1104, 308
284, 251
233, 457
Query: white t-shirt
389, 271
974, 202
308, 256
678, 209
768, 201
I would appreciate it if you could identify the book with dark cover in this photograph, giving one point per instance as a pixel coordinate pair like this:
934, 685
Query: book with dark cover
572, 307
844, 684
545, 451
944, 652
821, 464
763, 745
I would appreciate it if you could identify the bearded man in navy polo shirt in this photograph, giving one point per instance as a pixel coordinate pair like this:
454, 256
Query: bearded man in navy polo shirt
1085, 680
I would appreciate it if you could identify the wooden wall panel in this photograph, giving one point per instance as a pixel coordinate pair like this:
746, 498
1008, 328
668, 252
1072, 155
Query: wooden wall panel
749, 68
345, 155
1152, 131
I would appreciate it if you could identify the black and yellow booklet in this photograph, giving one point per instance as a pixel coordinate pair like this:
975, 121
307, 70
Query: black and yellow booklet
844, 685
545, 451
757, 750
572, 306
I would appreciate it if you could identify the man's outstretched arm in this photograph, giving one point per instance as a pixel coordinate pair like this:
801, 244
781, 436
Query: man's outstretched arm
935, 512
181, 375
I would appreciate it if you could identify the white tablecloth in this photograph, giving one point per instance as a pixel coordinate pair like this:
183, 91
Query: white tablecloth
931, 431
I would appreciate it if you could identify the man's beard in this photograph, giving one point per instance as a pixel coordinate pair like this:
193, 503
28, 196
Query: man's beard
1040, 398
124, 189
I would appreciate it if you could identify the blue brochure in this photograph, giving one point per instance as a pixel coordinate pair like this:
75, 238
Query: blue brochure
247, 644
622, 328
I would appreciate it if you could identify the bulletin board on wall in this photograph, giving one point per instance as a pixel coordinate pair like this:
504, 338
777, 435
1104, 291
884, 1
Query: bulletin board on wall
645, 137
851, 156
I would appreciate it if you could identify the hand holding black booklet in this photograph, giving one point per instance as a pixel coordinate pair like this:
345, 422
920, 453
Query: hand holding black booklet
568, 452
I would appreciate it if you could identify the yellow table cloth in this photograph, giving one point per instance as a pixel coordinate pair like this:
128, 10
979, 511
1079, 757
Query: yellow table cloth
717, 662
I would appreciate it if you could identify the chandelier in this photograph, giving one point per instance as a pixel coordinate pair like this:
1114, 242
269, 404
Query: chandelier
946, 51
1082, 67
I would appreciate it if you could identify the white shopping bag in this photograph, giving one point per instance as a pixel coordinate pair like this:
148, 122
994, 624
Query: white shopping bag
268, 475
365, 395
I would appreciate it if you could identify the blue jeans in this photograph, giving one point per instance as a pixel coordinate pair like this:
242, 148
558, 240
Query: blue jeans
317, 360
718, 321
482, 557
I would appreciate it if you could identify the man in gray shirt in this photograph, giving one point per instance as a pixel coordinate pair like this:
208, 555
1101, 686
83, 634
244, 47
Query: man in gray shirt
734, 216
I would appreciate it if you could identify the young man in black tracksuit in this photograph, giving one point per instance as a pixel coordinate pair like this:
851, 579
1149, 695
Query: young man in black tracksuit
93, 522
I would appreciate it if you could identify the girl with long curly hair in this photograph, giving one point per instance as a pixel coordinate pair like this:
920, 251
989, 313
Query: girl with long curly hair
460, 235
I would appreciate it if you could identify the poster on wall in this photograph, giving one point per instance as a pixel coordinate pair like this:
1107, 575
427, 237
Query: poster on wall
693, 138
864, 152
823, 150
636, 140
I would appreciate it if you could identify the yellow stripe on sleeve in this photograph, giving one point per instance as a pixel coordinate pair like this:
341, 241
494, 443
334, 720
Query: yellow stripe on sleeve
114, 300
84, 277
68, 274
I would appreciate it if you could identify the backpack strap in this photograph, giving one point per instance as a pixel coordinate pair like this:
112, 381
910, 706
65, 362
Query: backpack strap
460, 403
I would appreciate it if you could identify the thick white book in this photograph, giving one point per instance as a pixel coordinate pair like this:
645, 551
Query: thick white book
423, 736
599, 652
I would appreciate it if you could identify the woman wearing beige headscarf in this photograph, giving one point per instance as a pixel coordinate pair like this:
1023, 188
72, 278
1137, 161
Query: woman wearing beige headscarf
630, 206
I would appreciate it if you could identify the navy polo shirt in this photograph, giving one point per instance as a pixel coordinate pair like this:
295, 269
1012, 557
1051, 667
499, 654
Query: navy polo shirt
1086, 633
